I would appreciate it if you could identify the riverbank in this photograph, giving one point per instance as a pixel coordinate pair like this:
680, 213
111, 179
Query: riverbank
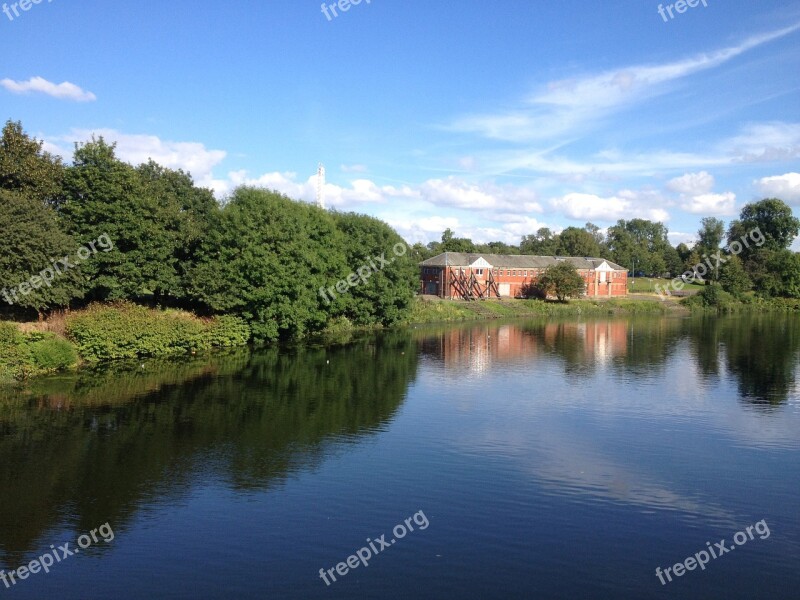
429, 309
111, 332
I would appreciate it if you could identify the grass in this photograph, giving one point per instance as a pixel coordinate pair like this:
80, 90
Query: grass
646, 285
434, 310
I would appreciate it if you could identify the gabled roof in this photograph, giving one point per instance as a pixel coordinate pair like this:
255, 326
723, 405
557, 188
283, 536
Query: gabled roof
521, 261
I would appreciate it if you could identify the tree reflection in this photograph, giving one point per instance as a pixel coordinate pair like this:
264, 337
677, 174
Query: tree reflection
94, 448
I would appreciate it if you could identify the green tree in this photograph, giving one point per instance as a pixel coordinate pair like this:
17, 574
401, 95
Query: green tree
542, 243
577, 242
596, 234
32, 239
108, 196
26, 168
450, 243
265, 258
733, 278
497, 248
763, 233
773, 218
186, 212
710, 234
382, 294
683, 252
562, 280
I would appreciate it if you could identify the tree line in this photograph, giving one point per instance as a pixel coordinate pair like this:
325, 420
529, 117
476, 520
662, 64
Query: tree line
259, 255
770, 268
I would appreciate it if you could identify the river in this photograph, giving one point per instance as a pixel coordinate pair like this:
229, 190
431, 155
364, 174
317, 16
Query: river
527, 459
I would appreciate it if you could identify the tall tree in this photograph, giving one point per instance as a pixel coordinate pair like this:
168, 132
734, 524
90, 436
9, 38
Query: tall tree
640, 242
265, 258
32, 239
577, 242
450, 243
25, 167
387, 273
542, 243
186, 211
774, 220
108, 196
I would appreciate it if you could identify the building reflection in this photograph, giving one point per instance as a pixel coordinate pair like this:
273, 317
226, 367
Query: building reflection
476, 348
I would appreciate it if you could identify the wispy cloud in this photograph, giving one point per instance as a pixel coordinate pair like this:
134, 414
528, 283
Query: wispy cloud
569, 107
39, 85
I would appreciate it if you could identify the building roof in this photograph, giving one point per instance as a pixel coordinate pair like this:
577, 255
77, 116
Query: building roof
521, 261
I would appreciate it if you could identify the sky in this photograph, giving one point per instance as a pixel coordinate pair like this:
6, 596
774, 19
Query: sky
491, 118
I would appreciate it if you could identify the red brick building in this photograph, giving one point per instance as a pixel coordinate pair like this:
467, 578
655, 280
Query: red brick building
460, 275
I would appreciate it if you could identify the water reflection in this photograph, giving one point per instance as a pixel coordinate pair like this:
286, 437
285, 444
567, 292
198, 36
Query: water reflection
78, 451
761, 352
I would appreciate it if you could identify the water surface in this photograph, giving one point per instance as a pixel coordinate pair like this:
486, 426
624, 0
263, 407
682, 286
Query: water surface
548, 459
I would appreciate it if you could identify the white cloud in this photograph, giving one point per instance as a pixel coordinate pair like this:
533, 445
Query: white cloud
421, 229
573, 105
677, 237
765, 142
457, 193
359, 191
135, 149
627, 204
692, 184
62, 91
711, 204
786, 187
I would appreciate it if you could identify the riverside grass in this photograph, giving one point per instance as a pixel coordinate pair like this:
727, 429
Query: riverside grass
106, 332
427, 310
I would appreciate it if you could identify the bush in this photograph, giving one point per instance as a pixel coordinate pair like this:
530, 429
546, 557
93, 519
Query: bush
23, 355
228, 331
125, 330
53, 353
14, 355
713, 297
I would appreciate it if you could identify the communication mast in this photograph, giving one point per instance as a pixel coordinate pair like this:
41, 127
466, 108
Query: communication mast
321, 186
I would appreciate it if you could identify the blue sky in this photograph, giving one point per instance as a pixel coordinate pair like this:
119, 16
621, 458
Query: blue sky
493, 120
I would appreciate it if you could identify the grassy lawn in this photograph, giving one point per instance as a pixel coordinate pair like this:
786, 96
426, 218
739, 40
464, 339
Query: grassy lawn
646, 285
427, 310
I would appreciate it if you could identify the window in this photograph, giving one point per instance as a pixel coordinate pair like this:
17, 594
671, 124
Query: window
479, 271
526, 273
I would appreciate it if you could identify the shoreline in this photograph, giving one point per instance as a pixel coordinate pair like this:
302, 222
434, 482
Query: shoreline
18, 363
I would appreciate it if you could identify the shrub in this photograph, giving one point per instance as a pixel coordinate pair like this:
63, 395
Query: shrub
712, 297
14, 355
125, 330
53, 353
23, 355
228, 331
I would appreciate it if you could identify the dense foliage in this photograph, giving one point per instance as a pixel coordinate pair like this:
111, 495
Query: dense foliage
262, 257
124, 330
26, 354
562, 281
